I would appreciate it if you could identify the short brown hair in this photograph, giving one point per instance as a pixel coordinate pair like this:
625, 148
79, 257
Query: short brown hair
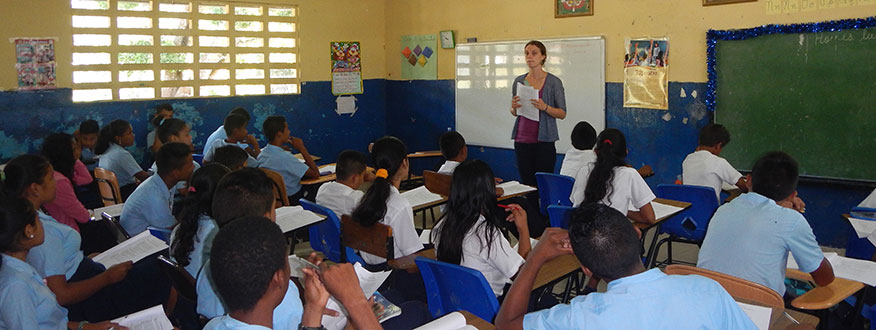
540, 47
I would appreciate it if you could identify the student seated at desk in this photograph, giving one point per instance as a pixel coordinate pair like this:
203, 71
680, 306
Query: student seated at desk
342, 195
277, 159
581, 153
219, 133
151, 203
61, 151
163, 112
705, 167
235, 128
870, 201
86, 136
611, 182
111, 143
453, 149
174, 130
605, 243
192, 239
750, 236
231, 156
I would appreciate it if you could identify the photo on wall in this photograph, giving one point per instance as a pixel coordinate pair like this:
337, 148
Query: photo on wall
572, 8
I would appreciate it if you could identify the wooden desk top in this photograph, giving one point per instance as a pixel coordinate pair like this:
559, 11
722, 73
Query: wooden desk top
778, 319
476, 322
315, 157
425, 154
407, 262
823, 297
555, 269
321, 178
682, 205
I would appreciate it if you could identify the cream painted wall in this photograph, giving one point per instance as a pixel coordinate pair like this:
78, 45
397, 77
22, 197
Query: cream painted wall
685, 22
321, 22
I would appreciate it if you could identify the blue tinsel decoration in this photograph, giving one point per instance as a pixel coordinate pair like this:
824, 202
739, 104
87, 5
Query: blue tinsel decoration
713, 36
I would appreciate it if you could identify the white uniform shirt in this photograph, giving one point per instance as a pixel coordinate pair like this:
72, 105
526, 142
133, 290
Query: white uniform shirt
575, 159
338, 197
448, 167
702, 168
580, 184
210, 150
870, 201
399, 216
628, 190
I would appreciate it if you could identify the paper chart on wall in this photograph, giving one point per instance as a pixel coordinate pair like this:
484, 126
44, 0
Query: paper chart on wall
35, 63
346, 67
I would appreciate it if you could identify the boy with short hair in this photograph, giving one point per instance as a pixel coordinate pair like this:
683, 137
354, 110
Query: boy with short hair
454, 151
750, 236
151, 203
86, 135
277, 159
231, 156
162, 111
235, 129
607, 246
342, 195
705, 167
581, 153
219, 133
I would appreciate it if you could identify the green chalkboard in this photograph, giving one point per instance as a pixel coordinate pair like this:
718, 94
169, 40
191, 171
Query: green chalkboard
812, 95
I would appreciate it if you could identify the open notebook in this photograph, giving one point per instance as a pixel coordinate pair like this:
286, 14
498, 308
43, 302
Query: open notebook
514, 187
290, 218
112, 210
148, 319
133, 249
420, 196
452, 321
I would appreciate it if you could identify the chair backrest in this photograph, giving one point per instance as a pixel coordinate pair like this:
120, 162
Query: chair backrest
559, 215
693, 221
553, 189
736, 287
181, 280
279, 187
375, 239
437, 183
450, 288
860, 248
108, 185
115, 228
325, 236
162, 233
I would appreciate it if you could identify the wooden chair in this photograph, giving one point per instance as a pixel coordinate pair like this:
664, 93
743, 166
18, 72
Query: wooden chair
279, 187
437, 183
375, 239
737, 287
108, 186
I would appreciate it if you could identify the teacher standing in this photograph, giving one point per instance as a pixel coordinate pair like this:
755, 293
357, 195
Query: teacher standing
534, 140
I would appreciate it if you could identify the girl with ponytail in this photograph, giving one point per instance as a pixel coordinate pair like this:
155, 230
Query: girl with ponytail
383, 203
111, 143
192, 238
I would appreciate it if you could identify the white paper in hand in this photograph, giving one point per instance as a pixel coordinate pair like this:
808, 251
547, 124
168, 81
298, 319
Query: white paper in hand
147, 319
526, 108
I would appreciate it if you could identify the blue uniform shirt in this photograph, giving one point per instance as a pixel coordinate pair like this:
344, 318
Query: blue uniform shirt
202, 244
750, 238
226, 322
648, 300
218, 134
210, 150
25, 300
281, 161
59, 254
149, 205
121, 163
180, 184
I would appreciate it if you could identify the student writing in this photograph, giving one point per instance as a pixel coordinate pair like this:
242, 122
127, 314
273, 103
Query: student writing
705, 167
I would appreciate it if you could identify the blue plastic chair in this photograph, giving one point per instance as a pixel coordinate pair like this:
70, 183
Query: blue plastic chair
553, 189
559, 215
450, 288
162, 233
325, 236
688, 226
198, 158
860, 248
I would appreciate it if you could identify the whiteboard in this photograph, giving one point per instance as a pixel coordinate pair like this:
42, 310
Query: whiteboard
485, 72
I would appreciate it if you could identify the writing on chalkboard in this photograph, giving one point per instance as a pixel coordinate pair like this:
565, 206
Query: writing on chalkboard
824, 38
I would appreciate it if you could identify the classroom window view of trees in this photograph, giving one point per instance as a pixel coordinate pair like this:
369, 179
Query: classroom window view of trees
140, 49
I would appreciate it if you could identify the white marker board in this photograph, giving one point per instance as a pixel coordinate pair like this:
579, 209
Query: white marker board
485, 72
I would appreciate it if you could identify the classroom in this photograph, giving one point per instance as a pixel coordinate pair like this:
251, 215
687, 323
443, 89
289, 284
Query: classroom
417, 110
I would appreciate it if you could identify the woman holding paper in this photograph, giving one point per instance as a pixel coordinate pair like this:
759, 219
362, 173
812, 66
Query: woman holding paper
538, 101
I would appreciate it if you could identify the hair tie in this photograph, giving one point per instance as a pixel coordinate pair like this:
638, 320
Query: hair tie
607, 141
192, 189
382, 173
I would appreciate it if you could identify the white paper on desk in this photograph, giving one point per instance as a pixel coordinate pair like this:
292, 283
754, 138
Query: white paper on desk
450, 321
112, 210
290, 218
368, 281
864, 228
664, 210
759, 315
426, 236
420, 196
133, 249
526, 109
148, 319
327, 169
514, 187
853, 269
532, 243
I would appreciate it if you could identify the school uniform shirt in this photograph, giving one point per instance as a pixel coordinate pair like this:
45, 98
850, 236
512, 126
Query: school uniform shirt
210, 150
226, 322
203, 243
219, 134
287, 315
150, 139
702, 168
870, 201
89, 156
66, 208
648, 300
580, 184
750, 238
281, 161
179, 185
81, 176
628, 189
498, 261
59, 254
448, 167
400, 217
25, 300
575, 159
149, 205
121, 163
338, 197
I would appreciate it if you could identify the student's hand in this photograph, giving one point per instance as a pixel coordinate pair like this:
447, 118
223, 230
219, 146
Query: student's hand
638, 232
315, 294
102, 326
499, 191
646, 171
296, 143
518, 217
341, 282
515, 102
553, 243
539, 104
117, 272
497, 180
314, 258
794, 203
251, 140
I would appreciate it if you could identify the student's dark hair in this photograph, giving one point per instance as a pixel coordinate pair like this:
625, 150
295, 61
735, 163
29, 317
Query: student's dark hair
168, 127
245, 256
240, 111
604, 241
58, 149
247, 192
172, 156
775, 175
198, 202
611, 150
234, 121
583, 136
163, 107
231, 156
350, 162
272, 126
15, 214
472, 194
89, 126
540, 46
108, 133
713, 134
388, 153
451, 144
22, 171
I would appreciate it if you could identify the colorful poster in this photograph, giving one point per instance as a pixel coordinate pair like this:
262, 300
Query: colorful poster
346, 68
419, 58
646, 74
35, 63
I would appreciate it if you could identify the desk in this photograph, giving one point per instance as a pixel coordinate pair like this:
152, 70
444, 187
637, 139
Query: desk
651, 254
315, 157
556, 269
321, 179
425, 154
823, 297
779, 321
476, 322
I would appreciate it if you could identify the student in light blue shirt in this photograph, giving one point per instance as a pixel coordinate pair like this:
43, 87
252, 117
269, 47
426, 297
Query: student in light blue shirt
277, 159
86, 136
163, 111
152, 202
607, 246
750, 237
111, 143
235, 129
219, 133
192, 239
174, 130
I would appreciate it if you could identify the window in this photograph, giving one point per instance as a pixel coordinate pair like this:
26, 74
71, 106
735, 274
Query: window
139, 49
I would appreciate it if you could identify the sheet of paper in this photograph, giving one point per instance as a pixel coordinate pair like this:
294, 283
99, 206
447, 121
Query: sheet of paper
346, 104
112, 210
327, 169
296, 264
420, 196
426, 236
853, 269
133, 249
526, 108
514, 187
452, 321
368, 281
864, 228
148, 319
758, 314
290, 218
663, 210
